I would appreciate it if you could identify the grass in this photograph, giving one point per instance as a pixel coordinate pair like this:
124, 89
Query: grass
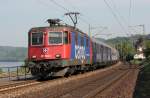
136, 62
142, 89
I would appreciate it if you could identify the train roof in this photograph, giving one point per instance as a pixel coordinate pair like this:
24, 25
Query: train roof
102, 43
60, 27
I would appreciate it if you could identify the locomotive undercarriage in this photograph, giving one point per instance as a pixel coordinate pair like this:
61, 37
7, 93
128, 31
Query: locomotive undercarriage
44, 69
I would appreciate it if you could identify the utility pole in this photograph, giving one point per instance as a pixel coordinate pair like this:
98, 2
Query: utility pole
140, 41
73, 17
141, 25
143, 28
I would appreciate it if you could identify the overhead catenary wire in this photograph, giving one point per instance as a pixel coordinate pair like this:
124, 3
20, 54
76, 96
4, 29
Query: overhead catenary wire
117, 11
126, 22
116, 17
59, 5
84, 18
81, 17
65, 9
129, 17
47, 5
81, 14
130, 10
69, 3
129, 21
43, 3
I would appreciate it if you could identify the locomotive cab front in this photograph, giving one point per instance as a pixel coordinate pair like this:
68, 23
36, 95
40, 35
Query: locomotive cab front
49, 45
48, 48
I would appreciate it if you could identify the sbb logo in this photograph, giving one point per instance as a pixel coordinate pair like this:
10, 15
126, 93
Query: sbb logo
45, 50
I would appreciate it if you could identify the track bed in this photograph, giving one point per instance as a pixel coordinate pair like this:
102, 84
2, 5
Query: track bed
88, 85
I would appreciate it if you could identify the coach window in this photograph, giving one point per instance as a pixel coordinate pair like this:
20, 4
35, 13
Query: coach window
55, 37
82, 41
95, 47
37, 38
65, 37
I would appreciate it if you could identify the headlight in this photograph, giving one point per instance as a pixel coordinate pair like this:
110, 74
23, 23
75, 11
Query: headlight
33, 57
58, 56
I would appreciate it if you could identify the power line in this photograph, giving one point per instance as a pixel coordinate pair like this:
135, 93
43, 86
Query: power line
115, 16
46, 5
129, 20
115, 8
69, 3
121, 17
79, 10
62, 7
67, 10
130, 10
59, 5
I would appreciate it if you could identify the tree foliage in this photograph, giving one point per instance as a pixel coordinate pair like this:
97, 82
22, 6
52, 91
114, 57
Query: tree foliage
126, 49
147, 48
124, 45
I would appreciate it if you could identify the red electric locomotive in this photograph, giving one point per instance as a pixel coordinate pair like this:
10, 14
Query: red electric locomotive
59, 50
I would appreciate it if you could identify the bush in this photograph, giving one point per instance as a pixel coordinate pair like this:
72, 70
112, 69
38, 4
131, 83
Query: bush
147, 52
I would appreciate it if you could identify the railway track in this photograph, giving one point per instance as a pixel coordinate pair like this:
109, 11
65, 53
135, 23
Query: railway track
82, 90
100, 89
91, 89
87, 85
12, 86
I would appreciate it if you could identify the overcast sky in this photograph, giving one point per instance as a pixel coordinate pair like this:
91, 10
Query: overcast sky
18, 16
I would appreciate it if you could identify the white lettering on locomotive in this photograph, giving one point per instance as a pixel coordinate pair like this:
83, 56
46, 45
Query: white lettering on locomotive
80, 52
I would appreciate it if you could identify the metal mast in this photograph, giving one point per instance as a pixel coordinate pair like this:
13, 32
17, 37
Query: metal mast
73, 17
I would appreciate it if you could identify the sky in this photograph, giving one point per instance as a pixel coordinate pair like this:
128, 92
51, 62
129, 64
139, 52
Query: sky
17, 17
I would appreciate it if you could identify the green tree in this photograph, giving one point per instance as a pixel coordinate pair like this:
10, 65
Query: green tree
125, 49
147, 48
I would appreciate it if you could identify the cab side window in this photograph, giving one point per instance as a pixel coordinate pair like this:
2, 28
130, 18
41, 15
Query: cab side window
65, 38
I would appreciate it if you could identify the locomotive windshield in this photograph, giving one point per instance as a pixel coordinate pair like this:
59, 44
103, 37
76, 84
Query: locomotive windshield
37, 38
55, 37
